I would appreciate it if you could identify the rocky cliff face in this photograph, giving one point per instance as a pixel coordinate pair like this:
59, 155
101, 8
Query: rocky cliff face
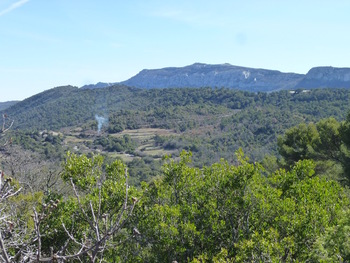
242, 78
326, 77
223, 75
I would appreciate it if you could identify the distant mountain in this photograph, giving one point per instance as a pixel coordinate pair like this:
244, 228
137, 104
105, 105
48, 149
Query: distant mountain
222, 75
326, 77
235, 77
98, 85
7, 104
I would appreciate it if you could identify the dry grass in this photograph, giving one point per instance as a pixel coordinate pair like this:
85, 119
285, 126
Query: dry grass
124, 156
73, 139
145, 133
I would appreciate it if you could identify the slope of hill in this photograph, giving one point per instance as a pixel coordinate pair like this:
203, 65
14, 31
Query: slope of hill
66, 106
212, 123
7, 104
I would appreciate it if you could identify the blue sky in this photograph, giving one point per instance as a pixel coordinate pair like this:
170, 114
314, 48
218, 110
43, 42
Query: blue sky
49, 43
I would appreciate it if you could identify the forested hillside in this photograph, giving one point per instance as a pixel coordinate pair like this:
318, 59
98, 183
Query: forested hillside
212, 123
141, 126
7, 104
69, 106
86, 175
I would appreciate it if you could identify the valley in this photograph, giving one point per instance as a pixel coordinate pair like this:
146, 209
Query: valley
142, 126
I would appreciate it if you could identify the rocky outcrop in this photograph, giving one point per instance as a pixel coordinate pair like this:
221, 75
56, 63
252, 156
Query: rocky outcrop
229, 76
223, 75
326, 77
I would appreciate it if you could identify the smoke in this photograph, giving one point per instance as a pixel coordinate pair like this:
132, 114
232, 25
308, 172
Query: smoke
100, 122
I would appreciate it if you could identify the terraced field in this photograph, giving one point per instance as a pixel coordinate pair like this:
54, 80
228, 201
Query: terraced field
79, 141
145, 139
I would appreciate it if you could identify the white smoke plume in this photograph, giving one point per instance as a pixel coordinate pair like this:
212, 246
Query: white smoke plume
100, 122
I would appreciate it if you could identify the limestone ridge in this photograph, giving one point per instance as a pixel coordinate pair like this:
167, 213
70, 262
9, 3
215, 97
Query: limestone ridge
223, 75
326, 77
236, 77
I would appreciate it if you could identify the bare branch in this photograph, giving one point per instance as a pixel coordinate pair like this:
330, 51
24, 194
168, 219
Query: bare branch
102, 226
3, 250
99, 245
80, 205
37, 230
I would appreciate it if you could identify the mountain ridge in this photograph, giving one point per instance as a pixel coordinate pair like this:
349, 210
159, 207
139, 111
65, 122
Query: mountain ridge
323, 77
226, 75
221, 75
236, 77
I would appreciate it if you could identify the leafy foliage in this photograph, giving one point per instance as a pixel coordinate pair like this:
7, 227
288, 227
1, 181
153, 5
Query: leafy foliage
199, 213
198, 207
325, 141
219, 213
111, 144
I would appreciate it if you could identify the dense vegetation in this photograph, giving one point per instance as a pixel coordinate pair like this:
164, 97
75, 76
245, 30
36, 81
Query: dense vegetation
219, 213
7, 104
129, 108
288, 203
212, 123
